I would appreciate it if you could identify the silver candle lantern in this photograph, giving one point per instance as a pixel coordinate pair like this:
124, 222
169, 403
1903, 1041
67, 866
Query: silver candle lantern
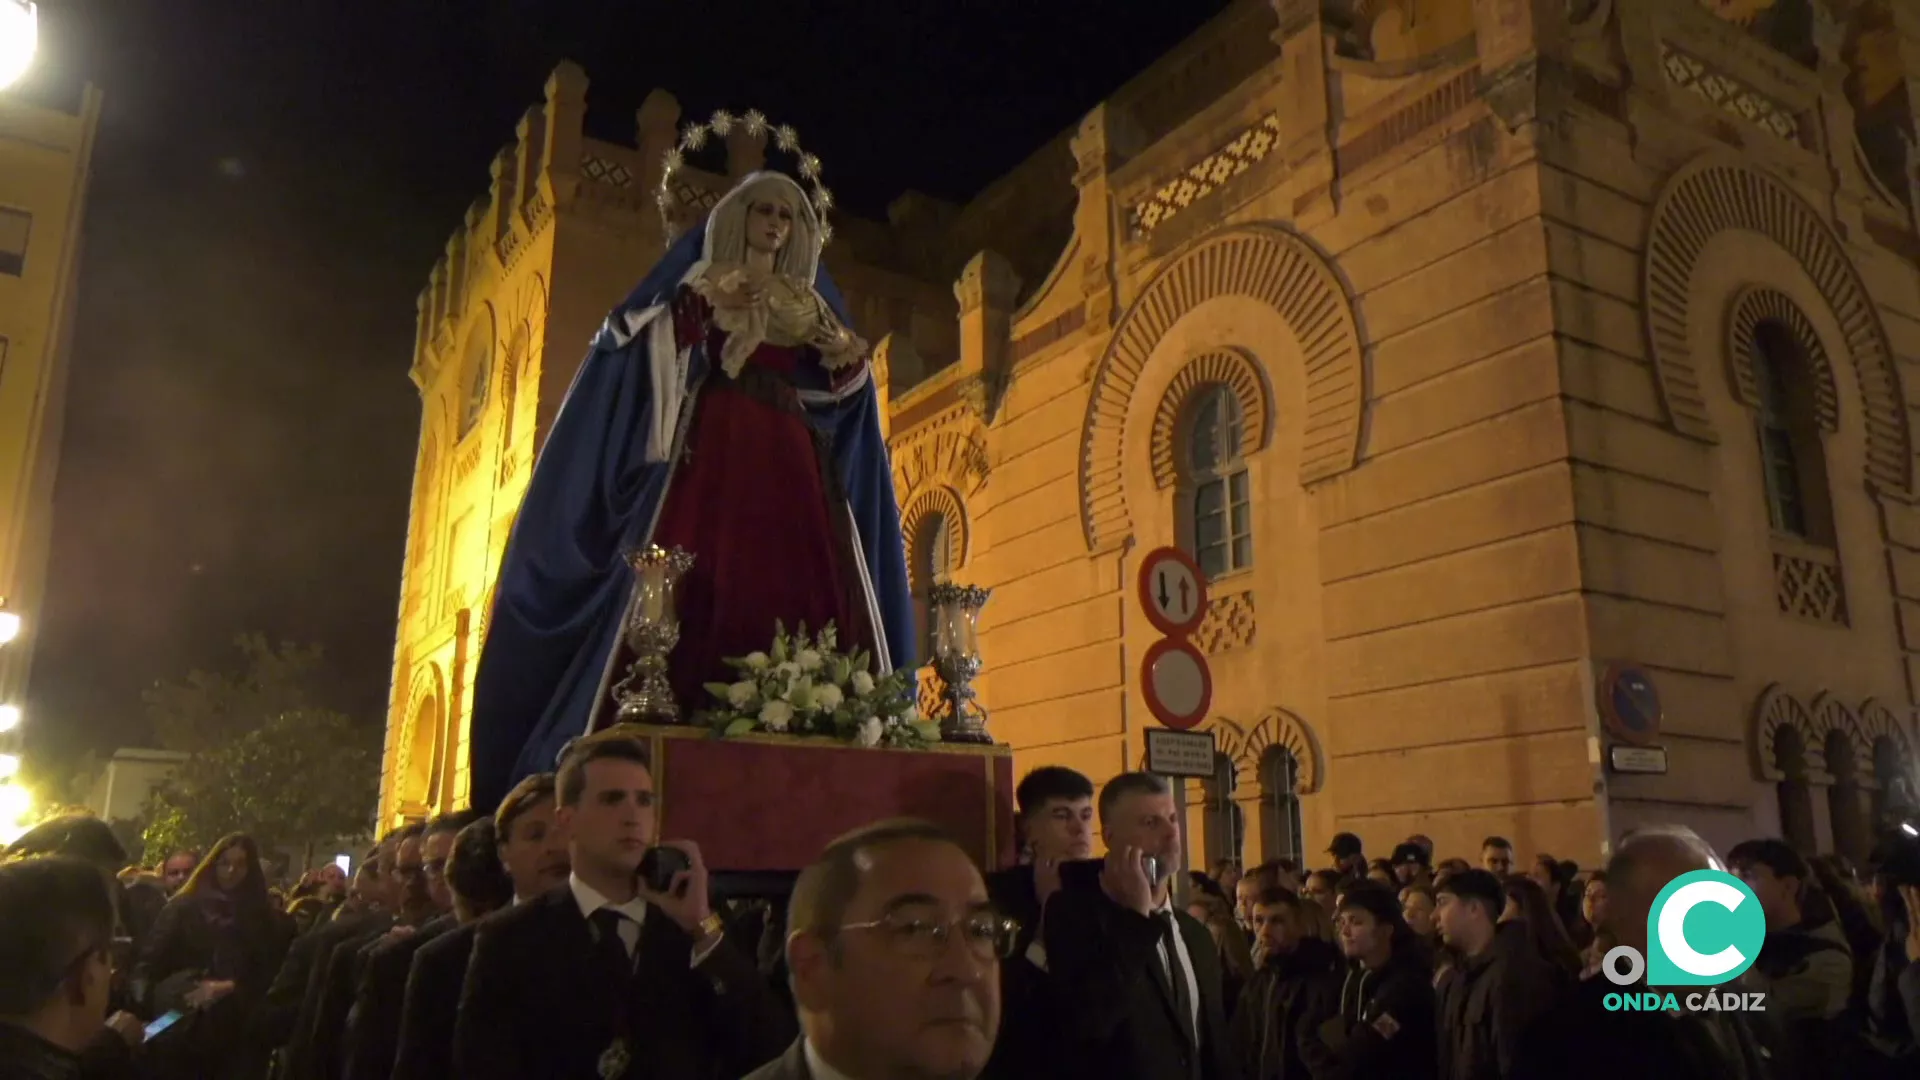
956, 659
645, 696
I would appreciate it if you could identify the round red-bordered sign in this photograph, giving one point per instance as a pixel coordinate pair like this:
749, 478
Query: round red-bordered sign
1173, 591
1630, 705
1177, 684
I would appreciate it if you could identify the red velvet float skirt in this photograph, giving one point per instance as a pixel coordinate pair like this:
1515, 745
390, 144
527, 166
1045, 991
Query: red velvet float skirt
756, 499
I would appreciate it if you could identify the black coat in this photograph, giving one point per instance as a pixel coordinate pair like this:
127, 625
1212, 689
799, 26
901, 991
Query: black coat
1110, 1000
432, 1006
1381, 1026
1284, 994
1486, 1003
1024, 1047
1579, 1039
339, 936
373, 1024
26, 1056
539, 1001
184, 946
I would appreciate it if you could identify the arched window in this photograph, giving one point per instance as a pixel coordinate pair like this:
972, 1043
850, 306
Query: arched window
1792, 459
1223, 822
1891, 790
1216, 511
479, 369
510, 383
1796, 798
422, 786
932, 564
1280, 833
1847, 807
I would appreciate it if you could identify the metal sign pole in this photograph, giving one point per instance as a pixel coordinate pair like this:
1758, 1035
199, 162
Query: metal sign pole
1180, 878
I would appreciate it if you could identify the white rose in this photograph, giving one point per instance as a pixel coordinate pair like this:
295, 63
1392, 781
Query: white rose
869, 733
789, 669
741, 694
808, 659
828, 697
862, 683
756, 661
776, 715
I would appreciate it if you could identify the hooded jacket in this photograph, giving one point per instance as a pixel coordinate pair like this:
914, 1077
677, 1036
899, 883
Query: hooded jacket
1381, 1026
1282, 994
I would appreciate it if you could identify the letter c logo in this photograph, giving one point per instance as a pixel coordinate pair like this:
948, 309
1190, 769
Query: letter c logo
1714, 909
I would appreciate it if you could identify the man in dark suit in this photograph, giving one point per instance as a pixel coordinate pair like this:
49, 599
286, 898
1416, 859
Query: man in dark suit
373, 1023
894, 948
1135, 983
590, 978
277, 1014
295, 994
332, 996
1056, 826
529, 858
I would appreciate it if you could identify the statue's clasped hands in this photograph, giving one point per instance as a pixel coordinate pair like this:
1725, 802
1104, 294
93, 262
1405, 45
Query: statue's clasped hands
737, 290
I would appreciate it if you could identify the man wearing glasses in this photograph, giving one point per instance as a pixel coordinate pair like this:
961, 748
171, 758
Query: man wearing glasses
56, 937
894, 953
373, 1023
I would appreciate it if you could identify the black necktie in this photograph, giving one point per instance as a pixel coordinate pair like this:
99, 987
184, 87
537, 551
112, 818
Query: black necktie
607, 943
1176, 974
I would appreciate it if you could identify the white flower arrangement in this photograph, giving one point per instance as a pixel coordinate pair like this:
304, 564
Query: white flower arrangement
805, 686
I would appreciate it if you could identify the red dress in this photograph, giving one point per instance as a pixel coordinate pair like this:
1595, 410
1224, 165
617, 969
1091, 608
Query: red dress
755, 498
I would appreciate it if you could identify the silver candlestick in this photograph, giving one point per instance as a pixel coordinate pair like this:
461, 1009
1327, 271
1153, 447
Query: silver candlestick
653, 629
956, 659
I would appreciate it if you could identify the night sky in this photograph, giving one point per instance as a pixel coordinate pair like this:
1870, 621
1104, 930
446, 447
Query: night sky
273, 183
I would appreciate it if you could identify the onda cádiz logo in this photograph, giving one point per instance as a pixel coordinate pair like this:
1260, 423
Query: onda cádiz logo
1704, 929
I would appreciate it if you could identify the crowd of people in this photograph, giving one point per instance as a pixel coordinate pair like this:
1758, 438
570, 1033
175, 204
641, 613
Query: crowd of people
557, 938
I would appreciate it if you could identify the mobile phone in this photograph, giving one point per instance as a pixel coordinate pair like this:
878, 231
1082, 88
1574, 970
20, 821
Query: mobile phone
163, 1022
659, 865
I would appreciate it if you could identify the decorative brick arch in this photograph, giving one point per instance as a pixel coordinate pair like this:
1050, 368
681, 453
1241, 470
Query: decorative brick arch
1715, 195
1774, 710
1877, 722
1263, 263
1279, 727
1829, 714
1234, 369
936, 500
1756, 304
950, 455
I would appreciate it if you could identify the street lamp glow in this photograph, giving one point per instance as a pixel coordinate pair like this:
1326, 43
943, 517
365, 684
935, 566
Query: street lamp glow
19, 39
15, 802
9, 766
10, 716
9, 621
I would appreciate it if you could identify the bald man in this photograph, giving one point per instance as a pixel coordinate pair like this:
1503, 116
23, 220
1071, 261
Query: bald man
1581, 1039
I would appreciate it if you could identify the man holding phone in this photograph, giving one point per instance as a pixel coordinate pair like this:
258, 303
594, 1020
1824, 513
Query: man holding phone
56, 938
1135, 982
591, 977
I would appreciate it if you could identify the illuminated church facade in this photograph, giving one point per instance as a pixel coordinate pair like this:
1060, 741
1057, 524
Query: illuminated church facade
1489, 358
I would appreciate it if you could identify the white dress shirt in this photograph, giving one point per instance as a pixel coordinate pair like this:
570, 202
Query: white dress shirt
817, 1066
1184, 969
591, 900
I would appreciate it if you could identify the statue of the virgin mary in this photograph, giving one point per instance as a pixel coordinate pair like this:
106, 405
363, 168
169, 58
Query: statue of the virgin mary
727, 408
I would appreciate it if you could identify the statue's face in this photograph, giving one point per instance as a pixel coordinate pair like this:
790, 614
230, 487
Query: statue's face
769, 223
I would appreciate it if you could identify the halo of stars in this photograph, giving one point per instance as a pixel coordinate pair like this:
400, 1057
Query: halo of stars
754, 123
